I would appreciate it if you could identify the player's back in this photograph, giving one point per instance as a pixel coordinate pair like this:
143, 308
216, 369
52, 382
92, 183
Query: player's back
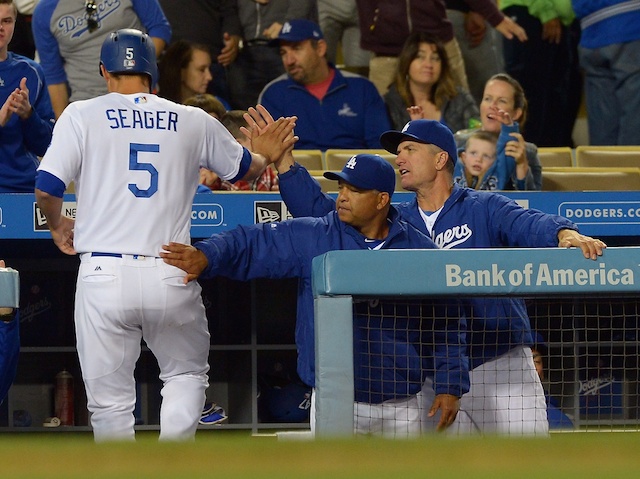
135, 160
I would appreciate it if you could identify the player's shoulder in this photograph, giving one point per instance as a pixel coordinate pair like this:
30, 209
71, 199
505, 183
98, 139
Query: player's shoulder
172, 105
489, 199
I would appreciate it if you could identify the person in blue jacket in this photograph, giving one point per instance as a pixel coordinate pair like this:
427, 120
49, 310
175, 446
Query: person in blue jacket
335, 109
26, 115
391, 368
483, 164
499, 333
9, 349
9, 346
609, 54
488, 162
557, 418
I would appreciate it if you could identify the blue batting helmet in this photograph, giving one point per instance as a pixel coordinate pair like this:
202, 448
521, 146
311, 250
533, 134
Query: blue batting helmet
129, 51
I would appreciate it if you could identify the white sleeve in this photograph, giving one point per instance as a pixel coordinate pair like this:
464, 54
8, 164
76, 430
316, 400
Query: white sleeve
64, 155
222, 153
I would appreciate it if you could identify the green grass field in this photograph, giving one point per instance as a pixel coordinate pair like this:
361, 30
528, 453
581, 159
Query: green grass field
238, 455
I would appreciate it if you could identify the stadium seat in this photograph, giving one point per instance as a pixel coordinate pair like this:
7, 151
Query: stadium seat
326, 185
590, 179
310, 159
335, 159
555, 156
608, 156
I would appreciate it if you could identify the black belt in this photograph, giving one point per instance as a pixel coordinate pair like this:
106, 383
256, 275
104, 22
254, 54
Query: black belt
111, 255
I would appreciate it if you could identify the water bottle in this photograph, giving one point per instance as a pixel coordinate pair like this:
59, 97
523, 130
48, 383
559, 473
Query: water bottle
64, 398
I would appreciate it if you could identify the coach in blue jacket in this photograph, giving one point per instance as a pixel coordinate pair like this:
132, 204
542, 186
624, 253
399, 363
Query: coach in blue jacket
506, 395
363, 219
9, 346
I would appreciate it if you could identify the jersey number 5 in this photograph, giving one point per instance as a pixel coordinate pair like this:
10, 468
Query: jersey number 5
135, 164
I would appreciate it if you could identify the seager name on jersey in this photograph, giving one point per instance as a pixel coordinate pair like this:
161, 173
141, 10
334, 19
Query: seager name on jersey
132, 118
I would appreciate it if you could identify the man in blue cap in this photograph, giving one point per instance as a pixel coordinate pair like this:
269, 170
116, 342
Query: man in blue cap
390, 373
506, 396
336, 109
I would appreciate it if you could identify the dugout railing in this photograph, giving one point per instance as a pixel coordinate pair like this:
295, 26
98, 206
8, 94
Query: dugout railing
588, 311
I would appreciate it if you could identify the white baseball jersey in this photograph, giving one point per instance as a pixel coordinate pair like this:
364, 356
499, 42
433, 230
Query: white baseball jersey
136, 157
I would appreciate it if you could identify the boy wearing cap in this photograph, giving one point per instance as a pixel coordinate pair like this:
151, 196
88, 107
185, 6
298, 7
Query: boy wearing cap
336, 109
499, 334
363, 218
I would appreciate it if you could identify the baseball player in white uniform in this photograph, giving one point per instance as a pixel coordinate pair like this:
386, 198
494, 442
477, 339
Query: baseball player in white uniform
135, 158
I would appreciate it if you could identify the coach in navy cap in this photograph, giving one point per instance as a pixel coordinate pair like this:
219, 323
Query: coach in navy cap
367, 172
423, 131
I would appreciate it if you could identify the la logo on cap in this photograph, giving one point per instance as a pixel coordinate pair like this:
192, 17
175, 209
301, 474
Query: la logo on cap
351, 164
286, 28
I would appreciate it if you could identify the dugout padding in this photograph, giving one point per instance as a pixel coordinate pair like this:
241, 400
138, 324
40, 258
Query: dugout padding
564, 294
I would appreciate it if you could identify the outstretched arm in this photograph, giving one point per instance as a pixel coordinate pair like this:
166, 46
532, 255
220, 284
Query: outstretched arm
186, 257
300, 192
591, 247
258, 120
270, 144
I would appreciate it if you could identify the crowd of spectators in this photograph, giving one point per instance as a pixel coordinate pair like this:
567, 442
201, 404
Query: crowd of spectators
456, 61
297, 58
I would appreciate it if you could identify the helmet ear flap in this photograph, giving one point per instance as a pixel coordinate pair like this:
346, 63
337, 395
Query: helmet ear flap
129, 51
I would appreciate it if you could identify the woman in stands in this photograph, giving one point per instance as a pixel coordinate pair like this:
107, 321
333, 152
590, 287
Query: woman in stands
503, 92
184, 71
423, 87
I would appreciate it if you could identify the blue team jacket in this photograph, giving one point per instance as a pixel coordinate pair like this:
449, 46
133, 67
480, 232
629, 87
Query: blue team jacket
352, 114
607, 22
9, 352
22, 141
399, 364
499, 175
469, 219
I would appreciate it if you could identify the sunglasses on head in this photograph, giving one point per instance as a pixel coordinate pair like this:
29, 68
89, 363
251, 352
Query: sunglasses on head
91, 10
